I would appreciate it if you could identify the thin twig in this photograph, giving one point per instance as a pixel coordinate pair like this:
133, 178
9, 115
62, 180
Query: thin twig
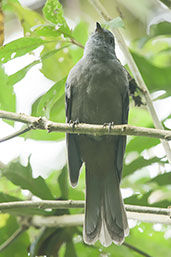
73, 41
16, 134
13, 237
136, 249
134, 69
97, 130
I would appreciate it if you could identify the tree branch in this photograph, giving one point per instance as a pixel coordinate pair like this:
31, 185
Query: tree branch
134, 69
77, 219
16, 134
44, 204
98, 130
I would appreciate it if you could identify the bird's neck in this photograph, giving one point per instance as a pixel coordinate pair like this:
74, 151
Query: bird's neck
99, 52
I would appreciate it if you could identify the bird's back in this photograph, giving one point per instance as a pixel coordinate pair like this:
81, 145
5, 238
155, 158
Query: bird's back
99, 89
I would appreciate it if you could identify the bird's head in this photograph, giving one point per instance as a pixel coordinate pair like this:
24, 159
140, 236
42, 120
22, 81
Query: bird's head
101, 42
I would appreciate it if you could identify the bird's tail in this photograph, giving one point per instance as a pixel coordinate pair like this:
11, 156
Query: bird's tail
105, 216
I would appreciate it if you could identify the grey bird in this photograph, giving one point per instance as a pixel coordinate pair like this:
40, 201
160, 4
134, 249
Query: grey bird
97, 93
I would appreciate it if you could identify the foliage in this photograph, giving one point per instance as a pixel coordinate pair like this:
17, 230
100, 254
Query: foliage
53, 34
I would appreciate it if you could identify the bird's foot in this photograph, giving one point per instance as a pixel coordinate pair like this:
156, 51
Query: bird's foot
110, 124
74, 123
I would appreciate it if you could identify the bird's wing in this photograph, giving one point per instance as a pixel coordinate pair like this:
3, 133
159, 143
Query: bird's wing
122, 139
74, 158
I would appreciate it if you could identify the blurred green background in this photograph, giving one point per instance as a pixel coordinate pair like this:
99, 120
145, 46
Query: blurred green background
43, 41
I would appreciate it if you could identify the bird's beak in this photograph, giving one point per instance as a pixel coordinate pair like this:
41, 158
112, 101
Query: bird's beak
98, 27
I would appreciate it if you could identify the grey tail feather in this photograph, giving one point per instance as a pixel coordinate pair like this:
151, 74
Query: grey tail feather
105, 215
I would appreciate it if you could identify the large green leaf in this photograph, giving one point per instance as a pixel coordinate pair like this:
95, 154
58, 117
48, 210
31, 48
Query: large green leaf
7, 96
152, 242
22, 176
57, 66
80, 32
19, 246
51, 30
27, 17
139, 144
70, 249
19, 47
17, 76
161, 28
162, 179
139, 199
54, 97
137, 164
53, 12
49, 241
52, 106
58, 110
139, 117
52, 182
80, 35
42, 106
156, 78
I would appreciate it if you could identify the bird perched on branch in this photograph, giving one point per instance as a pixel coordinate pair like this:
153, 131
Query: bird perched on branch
97, 93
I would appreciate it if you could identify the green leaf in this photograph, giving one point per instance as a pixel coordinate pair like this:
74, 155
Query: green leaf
42, 106
19, 47
44, 135
17, 211
19, 75
51, 30
8, 198
52, 182
52, 106
162, 179
80, 32
63, 183
145, 238
27, 17
48, 242
20, 245
139, 199
115, 23
7, 96
57, 66
162, 28
70, 249
48, 54
22, 176
156, 78
53, 12
137, 164
58, 116
139, 117
139, 144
